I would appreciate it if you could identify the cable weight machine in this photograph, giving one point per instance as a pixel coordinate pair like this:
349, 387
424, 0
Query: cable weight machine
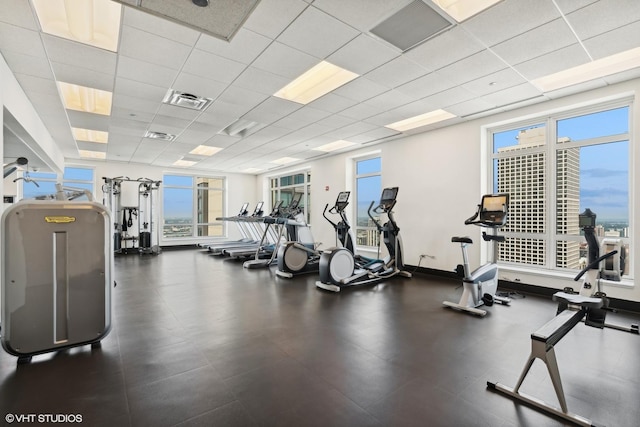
134, 226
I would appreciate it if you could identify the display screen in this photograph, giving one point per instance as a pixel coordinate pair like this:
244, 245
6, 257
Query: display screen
258, 207
388, 195
243, 209
343, 197
495, 203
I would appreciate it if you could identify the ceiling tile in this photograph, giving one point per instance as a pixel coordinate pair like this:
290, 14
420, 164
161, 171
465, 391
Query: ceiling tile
611, 14
80, 119
159, 26
284, 61
473, 67
568, 6
271, 110
427, 85
553, 62
361, 14
135, 43
17, 39
473, 106
244, 47
614, 41
175, 112
494, 82
373, 135
449, 97
332, 103
539, 41
447, 48
513, 94
363, 54
360, 89
80, 55
141, 90
82, 76
506, 20
361, 111
271, 17
260, 81
27, 64
396, 72
317, 33
18, 13
38, 85
389, 99
208, 65
302, 117
133, 103
145, 72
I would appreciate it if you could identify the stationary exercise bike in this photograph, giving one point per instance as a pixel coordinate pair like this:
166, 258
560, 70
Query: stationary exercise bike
339, 267
480, 286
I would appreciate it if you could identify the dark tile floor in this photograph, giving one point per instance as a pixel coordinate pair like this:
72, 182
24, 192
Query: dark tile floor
198, 341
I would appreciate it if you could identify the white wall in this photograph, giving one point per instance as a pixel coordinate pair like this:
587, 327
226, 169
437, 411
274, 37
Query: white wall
240, 188
439, 175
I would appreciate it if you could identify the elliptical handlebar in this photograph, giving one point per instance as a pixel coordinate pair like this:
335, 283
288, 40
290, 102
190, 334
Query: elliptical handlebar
324, 214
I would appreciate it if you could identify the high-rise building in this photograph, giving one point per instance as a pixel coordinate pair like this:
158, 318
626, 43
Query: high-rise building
522, 174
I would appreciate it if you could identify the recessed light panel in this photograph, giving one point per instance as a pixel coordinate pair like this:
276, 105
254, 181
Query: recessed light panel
87, 99
333, 146
184, 163
92, 22
252, 170
421, 120
284, 160
88, 154
603, 67
205, 150
90, 135
319, 80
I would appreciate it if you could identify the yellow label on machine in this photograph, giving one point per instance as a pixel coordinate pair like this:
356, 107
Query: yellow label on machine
60, 219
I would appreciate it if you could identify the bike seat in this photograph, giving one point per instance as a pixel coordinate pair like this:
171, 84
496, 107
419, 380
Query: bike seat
461, 239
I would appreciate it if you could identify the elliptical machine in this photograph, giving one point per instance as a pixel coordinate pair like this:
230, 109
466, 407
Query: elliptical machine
480, 286
338, 268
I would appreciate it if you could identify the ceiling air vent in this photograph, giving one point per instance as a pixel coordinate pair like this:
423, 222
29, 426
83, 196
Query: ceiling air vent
411, 25
159, 135
186, 100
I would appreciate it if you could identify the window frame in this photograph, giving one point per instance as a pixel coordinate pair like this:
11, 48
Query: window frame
369, 229
275, 190
60, 178
551, 234
195, 190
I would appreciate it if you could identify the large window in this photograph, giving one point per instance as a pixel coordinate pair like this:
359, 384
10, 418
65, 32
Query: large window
554, 169
368, 189
190, 206
43, 184
284, 187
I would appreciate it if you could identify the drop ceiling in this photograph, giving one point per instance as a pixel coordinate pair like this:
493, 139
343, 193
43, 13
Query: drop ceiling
474, 68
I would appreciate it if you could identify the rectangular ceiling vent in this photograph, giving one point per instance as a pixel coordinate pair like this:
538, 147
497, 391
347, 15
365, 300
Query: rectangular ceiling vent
159, 136
411, 25
186, 100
